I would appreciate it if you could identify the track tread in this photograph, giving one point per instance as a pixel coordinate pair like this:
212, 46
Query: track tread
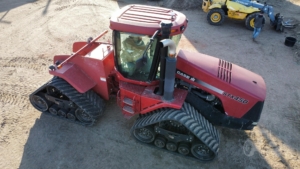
190, 118
87, 101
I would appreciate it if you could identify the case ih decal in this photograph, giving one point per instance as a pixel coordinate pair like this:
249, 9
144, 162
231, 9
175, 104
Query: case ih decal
202, 83
185, 75
237, 98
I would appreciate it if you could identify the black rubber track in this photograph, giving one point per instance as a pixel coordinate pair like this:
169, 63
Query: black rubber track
190, 118
90, 102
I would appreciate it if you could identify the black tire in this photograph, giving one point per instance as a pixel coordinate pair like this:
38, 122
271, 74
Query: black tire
216, 16
249, 22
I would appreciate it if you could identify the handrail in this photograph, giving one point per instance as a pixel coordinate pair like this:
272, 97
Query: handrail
81, 49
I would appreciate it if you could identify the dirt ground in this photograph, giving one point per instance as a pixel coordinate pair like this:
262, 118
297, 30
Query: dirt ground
32, 32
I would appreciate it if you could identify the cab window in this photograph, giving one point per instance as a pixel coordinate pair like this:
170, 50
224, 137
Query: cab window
133, 61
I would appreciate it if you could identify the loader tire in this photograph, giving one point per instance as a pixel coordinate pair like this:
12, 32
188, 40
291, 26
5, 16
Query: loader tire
249, 22
216, 16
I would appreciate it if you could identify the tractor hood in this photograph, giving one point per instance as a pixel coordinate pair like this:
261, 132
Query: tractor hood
220, 76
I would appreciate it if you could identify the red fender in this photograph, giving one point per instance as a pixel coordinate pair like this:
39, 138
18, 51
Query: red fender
75, 77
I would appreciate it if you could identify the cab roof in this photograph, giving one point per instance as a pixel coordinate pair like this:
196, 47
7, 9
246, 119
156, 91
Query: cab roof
142, 19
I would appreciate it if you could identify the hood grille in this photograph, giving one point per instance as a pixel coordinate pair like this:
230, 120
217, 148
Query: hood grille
224, 70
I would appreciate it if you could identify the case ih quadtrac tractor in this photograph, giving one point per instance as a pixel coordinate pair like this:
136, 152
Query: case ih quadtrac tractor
178, 97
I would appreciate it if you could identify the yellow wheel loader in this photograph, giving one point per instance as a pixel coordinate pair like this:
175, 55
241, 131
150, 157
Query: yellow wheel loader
246, 10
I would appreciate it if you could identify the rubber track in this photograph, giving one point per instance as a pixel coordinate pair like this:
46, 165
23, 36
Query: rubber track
96, 100
190, 118
79, 99
85, 101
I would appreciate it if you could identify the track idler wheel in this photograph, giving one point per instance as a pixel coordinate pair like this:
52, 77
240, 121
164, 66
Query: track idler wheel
39, 102
160, 142
202, 152
83, 116
145, 135
184, 148
171, 146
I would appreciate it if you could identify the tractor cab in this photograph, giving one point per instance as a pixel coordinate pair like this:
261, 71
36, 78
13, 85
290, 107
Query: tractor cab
136, 37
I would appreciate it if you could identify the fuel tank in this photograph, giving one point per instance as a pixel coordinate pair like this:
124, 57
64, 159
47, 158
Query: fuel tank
238, 88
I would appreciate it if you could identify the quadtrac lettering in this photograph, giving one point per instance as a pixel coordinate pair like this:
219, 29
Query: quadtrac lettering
185, 75
236, 98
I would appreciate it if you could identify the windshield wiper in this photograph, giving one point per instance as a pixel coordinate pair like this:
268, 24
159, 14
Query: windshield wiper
150, 43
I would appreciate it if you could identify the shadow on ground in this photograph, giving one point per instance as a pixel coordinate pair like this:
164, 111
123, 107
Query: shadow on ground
7, 6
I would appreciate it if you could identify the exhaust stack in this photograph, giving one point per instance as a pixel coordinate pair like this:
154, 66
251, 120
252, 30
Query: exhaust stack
170, 69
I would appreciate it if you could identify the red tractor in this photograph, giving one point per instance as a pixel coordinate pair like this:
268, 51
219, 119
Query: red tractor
178, 97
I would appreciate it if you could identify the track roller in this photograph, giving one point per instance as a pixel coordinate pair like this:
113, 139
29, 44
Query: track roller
184, 149
71, 115
54, 110
171, 146
160, 142
62, 113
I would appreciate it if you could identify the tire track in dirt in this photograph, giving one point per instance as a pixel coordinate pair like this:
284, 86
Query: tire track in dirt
17, 94
19, 77
38, 64
21, 101
77, 5
89, 13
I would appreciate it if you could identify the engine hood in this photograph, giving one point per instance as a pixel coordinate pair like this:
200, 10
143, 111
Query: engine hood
219, 75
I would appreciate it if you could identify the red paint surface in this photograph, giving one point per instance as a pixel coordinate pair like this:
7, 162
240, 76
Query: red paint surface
74, 76
97, 62
146, 20
145, 100
205, 68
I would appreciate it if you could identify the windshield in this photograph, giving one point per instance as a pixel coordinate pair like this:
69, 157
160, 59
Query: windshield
133, 61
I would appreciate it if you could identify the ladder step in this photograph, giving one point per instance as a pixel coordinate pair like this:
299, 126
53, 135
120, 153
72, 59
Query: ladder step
128, 101
128, 109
